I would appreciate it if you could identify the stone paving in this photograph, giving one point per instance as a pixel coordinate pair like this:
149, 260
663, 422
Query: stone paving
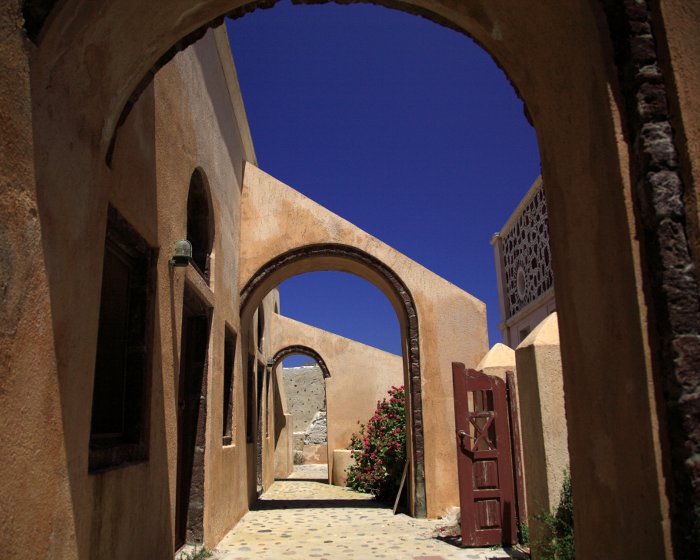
305, 519
309, 472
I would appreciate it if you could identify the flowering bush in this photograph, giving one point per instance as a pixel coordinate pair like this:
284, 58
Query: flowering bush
379, 448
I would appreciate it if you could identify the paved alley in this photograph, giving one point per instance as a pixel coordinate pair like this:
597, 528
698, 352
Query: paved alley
303, 519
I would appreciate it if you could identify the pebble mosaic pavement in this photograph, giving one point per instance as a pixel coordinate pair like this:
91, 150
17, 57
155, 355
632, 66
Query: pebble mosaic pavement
306, 519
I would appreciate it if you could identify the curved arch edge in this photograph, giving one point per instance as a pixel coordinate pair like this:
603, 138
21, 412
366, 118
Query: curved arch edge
412, 366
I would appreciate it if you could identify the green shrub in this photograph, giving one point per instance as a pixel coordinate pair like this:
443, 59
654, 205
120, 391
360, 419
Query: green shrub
195, 554
558, 544
524, 534
379, 448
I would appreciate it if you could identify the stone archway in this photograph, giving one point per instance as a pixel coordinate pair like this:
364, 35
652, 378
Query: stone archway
349, 258
66, 97
287, 351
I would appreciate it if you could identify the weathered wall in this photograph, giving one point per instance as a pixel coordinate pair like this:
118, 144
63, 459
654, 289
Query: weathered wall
360, 375
306, 394
306, 397
36, 509
184, 120
451, 323
284, 433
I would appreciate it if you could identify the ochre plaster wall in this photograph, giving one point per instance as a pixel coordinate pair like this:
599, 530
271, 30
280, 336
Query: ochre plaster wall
36, 496
263, 352
359, 376
544, 434
452, 324
183, 121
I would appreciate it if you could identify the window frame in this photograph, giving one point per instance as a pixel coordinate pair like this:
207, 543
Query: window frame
108, 451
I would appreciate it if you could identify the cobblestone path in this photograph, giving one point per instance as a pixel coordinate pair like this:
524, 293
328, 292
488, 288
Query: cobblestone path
302, 520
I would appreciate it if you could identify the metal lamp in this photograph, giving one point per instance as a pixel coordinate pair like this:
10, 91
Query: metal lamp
182, 253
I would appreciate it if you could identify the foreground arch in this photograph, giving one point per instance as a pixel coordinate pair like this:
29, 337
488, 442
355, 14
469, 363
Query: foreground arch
621, 178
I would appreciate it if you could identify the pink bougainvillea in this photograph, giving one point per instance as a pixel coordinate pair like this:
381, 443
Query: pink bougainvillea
379, 448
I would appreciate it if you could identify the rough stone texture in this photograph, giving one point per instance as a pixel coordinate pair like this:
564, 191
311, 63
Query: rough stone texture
317, 431
672, 287
305, 387
301, 519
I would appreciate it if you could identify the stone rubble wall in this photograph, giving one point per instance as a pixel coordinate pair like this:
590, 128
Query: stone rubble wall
306, 398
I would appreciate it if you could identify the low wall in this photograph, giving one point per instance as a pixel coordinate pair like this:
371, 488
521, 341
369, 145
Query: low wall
544, 434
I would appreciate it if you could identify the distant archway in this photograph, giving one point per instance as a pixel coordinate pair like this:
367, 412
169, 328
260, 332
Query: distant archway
200, 222
287, 351
344, 258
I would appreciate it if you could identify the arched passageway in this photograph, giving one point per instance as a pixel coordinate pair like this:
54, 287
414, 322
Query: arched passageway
300, 417
350, 259
614, 168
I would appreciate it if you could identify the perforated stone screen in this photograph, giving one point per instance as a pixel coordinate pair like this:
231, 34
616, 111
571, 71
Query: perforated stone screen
526, 255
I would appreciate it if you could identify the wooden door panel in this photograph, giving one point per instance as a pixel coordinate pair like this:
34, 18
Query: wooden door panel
484, 458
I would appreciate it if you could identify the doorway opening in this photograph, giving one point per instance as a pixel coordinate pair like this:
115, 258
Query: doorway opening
191, 420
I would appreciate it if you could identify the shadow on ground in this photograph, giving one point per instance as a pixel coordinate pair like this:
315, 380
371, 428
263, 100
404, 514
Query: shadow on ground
263, 505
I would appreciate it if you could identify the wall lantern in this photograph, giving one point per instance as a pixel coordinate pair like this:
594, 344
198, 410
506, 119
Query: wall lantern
182, 253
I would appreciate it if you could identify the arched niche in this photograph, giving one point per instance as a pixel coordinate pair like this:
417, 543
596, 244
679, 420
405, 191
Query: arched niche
344, 258
200, 222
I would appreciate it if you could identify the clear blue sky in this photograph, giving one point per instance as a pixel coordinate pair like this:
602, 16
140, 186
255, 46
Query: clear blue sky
405, 128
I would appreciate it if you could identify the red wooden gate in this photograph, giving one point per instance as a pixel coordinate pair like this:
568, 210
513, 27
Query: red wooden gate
486, 491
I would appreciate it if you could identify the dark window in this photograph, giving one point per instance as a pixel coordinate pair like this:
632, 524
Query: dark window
261, 327
261, 390
250, 396
119, 403
200, 230
229, 357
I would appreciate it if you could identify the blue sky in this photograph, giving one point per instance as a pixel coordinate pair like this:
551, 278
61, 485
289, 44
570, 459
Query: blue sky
405, 128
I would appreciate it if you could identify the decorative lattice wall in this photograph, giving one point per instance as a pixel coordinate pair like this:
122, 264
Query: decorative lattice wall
527, 259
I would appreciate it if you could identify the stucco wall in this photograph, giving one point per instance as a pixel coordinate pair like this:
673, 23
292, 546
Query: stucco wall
544, 432
184, 120
306, 394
